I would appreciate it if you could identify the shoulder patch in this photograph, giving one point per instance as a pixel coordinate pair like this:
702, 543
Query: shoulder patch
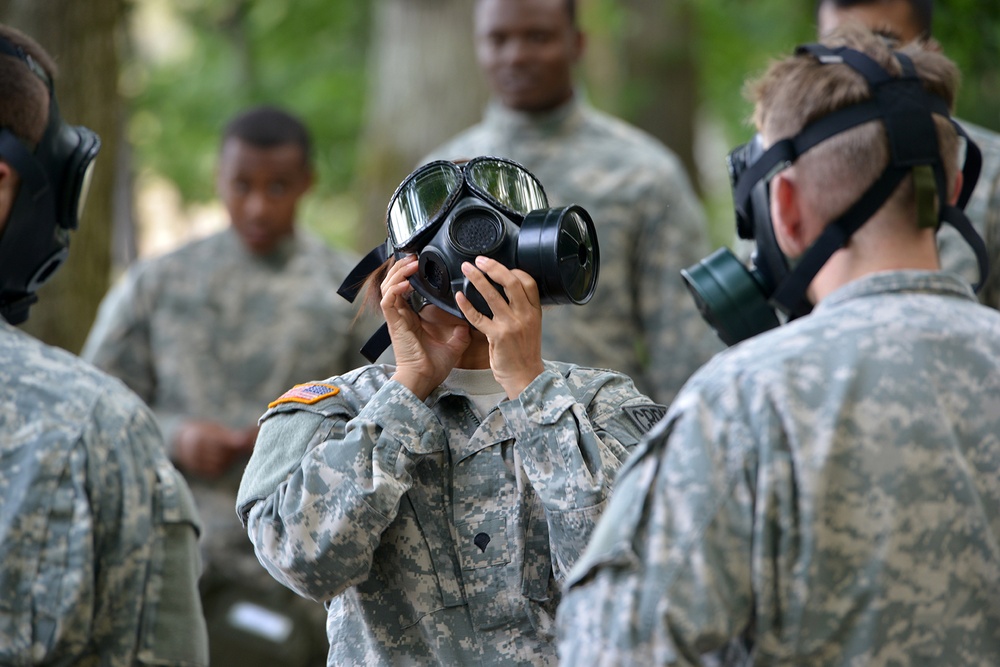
645, 416
308, 393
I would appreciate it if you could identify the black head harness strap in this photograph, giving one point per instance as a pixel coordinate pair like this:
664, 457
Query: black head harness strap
905, 109
351, 286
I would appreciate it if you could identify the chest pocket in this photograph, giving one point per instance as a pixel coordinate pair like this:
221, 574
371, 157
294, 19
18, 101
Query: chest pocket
171, 632
414, 569
484, 548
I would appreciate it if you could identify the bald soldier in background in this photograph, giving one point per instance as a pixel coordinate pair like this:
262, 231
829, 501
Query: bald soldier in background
650, 224
209, 334
908, 20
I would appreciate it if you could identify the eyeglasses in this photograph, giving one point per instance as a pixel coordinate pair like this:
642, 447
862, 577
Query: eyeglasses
426, 195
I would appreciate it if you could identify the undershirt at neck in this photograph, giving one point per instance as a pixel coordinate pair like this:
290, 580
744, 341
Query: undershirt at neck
480, 385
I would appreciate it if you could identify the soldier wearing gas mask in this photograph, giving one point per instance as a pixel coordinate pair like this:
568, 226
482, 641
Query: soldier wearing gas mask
823, 492
98, 532
435, 505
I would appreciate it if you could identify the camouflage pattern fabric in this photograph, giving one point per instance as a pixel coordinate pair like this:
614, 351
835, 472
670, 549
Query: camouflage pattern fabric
825, 494
438, 534
212, 332
983, 210
642, 321
98, 532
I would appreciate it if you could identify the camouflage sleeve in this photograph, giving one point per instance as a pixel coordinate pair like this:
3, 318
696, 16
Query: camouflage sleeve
119, 340
571, 453
120, 343
990, 294
80, 535
676, 340
955, 253
664, 580
119, 566
317, 530
120, 489
146, 532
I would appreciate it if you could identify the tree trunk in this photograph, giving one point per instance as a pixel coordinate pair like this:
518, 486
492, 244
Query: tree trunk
661, 94
425, 86
82, 38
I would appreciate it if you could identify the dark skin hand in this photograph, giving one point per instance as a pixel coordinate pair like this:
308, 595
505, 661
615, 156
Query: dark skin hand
209, 449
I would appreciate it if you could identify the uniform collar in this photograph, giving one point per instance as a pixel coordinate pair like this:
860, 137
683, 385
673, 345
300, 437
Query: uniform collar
277, 258
894, 282
567, 114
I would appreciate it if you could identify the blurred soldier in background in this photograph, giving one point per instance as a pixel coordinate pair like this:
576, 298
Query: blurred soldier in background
649, 221
207, 335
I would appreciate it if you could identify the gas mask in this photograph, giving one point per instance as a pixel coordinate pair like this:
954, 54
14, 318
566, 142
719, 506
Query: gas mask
739, 301
447, 214
55, 178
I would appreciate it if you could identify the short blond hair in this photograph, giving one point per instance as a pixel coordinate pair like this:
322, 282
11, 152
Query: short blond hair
799, 89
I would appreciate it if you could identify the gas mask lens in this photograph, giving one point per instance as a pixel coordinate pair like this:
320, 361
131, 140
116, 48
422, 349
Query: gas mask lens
420, 200
77, 147
505, 185
423, 198
84, 192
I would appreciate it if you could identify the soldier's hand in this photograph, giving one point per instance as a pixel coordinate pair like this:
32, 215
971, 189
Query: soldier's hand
209, 449
515, 330
425, 350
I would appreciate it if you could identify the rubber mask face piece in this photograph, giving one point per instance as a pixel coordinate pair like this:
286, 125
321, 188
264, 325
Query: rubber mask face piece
732, 297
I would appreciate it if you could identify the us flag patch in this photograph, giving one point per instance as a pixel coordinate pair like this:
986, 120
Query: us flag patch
308, 393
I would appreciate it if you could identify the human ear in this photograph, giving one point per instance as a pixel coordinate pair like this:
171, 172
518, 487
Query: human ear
957, 189
579, 45
9, 182
786, 215
308, 179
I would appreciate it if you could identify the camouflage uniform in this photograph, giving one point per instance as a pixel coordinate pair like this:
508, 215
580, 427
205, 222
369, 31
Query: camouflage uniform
98, 532
438, 534
212, 332
825, 492
983, 210
642, 320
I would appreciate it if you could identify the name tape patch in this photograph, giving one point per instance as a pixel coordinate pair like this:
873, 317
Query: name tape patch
646, 416
308, 393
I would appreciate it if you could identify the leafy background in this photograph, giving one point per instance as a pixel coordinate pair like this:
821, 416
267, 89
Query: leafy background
196, 62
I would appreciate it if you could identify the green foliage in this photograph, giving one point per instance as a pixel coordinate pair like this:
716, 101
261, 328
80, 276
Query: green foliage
218, 56
224, 55
969, 33
736, 40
